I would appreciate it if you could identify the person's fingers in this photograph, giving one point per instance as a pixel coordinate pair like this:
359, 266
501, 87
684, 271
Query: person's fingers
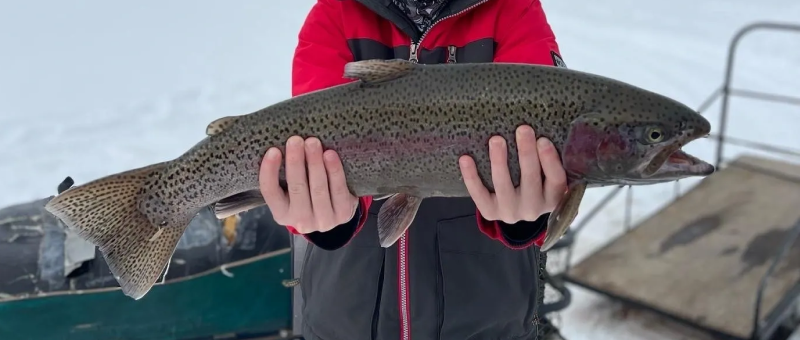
530, 186
343, 201
505, 193
297, 183
268, 183
480, 194
318, 185
555, 183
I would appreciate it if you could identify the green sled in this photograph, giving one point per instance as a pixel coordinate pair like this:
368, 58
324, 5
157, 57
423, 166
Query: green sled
215, 289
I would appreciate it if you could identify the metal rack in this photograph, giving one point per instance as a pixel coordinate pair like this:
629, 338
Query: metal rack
765, 328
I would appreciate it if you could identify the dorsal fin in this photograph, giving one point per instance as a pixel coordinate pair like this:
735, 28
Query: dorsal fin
219, 125
378, 70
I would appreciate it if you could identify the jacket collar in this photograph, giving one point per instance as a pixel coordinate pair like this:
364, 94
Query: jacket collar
387, 10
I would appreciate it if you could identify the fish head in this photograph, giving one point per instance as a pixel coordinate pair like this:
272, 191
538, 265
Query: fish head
635, 141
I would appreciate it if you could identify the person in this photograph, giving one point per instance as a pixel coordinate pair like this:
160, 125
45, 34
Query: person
467, 268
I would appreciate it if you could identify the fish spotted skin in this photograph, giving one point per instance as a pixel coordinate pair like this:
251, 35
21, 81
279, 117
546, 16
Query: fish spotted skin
406, 134
399, 130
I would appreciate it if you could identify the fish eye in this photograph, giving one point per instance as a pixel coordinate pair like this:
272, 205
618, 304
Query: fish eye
654, 134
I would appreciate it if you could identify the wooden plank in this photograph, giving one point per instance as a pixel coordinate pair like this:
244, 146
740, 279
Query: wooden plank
701, 258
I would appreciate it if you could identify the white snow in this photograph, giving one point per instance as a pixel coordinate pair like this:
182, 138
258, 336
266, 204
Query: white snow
93, 87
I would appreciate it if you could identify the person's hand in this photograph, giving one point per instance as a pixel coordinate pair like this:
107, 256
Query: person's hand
317, 202
532, 197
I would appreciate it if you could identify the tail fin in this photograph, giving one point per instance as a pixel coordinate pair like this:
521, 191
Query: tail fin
106, 213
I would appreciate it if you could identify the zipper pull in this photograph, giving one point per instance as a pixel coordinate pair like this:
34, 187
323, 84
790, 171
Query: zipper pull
451, 57
413, 53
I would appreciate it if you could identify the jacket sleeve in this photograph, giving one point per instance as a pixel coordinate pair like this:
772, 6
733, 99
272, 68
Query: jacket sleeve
523, 36
318, 63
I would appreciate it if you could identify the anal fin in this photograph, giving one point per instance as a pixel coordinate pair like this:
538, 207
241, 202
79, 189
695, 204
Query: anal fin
562, 216
395, 217
382, 197
237, 203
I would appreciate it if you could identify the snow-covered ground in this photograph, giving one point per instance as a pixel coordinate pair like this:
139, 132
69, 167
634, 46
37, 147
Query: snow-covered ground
93, 87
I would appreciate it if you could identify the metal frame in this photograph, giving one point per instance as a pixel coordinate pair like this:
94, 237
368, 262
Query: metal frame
762, 329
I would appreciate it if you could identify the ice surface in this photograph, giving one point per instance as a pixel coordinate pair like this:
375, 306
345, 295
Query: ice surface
95, 87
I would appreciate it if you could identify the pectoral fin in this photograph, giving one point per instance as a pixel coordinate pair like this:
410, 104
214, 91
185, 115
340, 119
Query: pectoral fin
240, 202
562, 216
395, 217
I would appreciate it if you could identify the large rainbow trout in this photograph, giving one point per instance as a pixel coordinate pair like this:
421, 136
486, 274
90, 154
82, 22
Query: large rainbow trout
399, 130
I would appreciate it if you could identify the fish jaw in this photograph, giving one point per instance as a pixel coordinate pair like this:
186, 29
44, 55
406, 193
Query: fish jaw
678, 165
666, 164
602, 155
671, 163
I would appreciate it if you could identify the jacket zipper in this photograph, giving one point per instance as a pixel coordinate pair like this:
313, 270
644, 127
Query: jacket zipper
413, 53
405, 315
448, 17
402, 254
402, 246
451, 54
541, 261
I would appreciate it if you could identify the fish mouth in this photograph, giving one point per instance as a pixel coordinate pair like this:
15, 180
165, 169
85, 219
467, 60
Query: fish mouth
673, 163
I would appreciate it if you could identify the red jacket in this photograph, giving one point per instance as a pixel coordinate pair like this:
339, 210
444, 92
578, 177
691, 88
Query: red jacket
519, 32
444, 279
